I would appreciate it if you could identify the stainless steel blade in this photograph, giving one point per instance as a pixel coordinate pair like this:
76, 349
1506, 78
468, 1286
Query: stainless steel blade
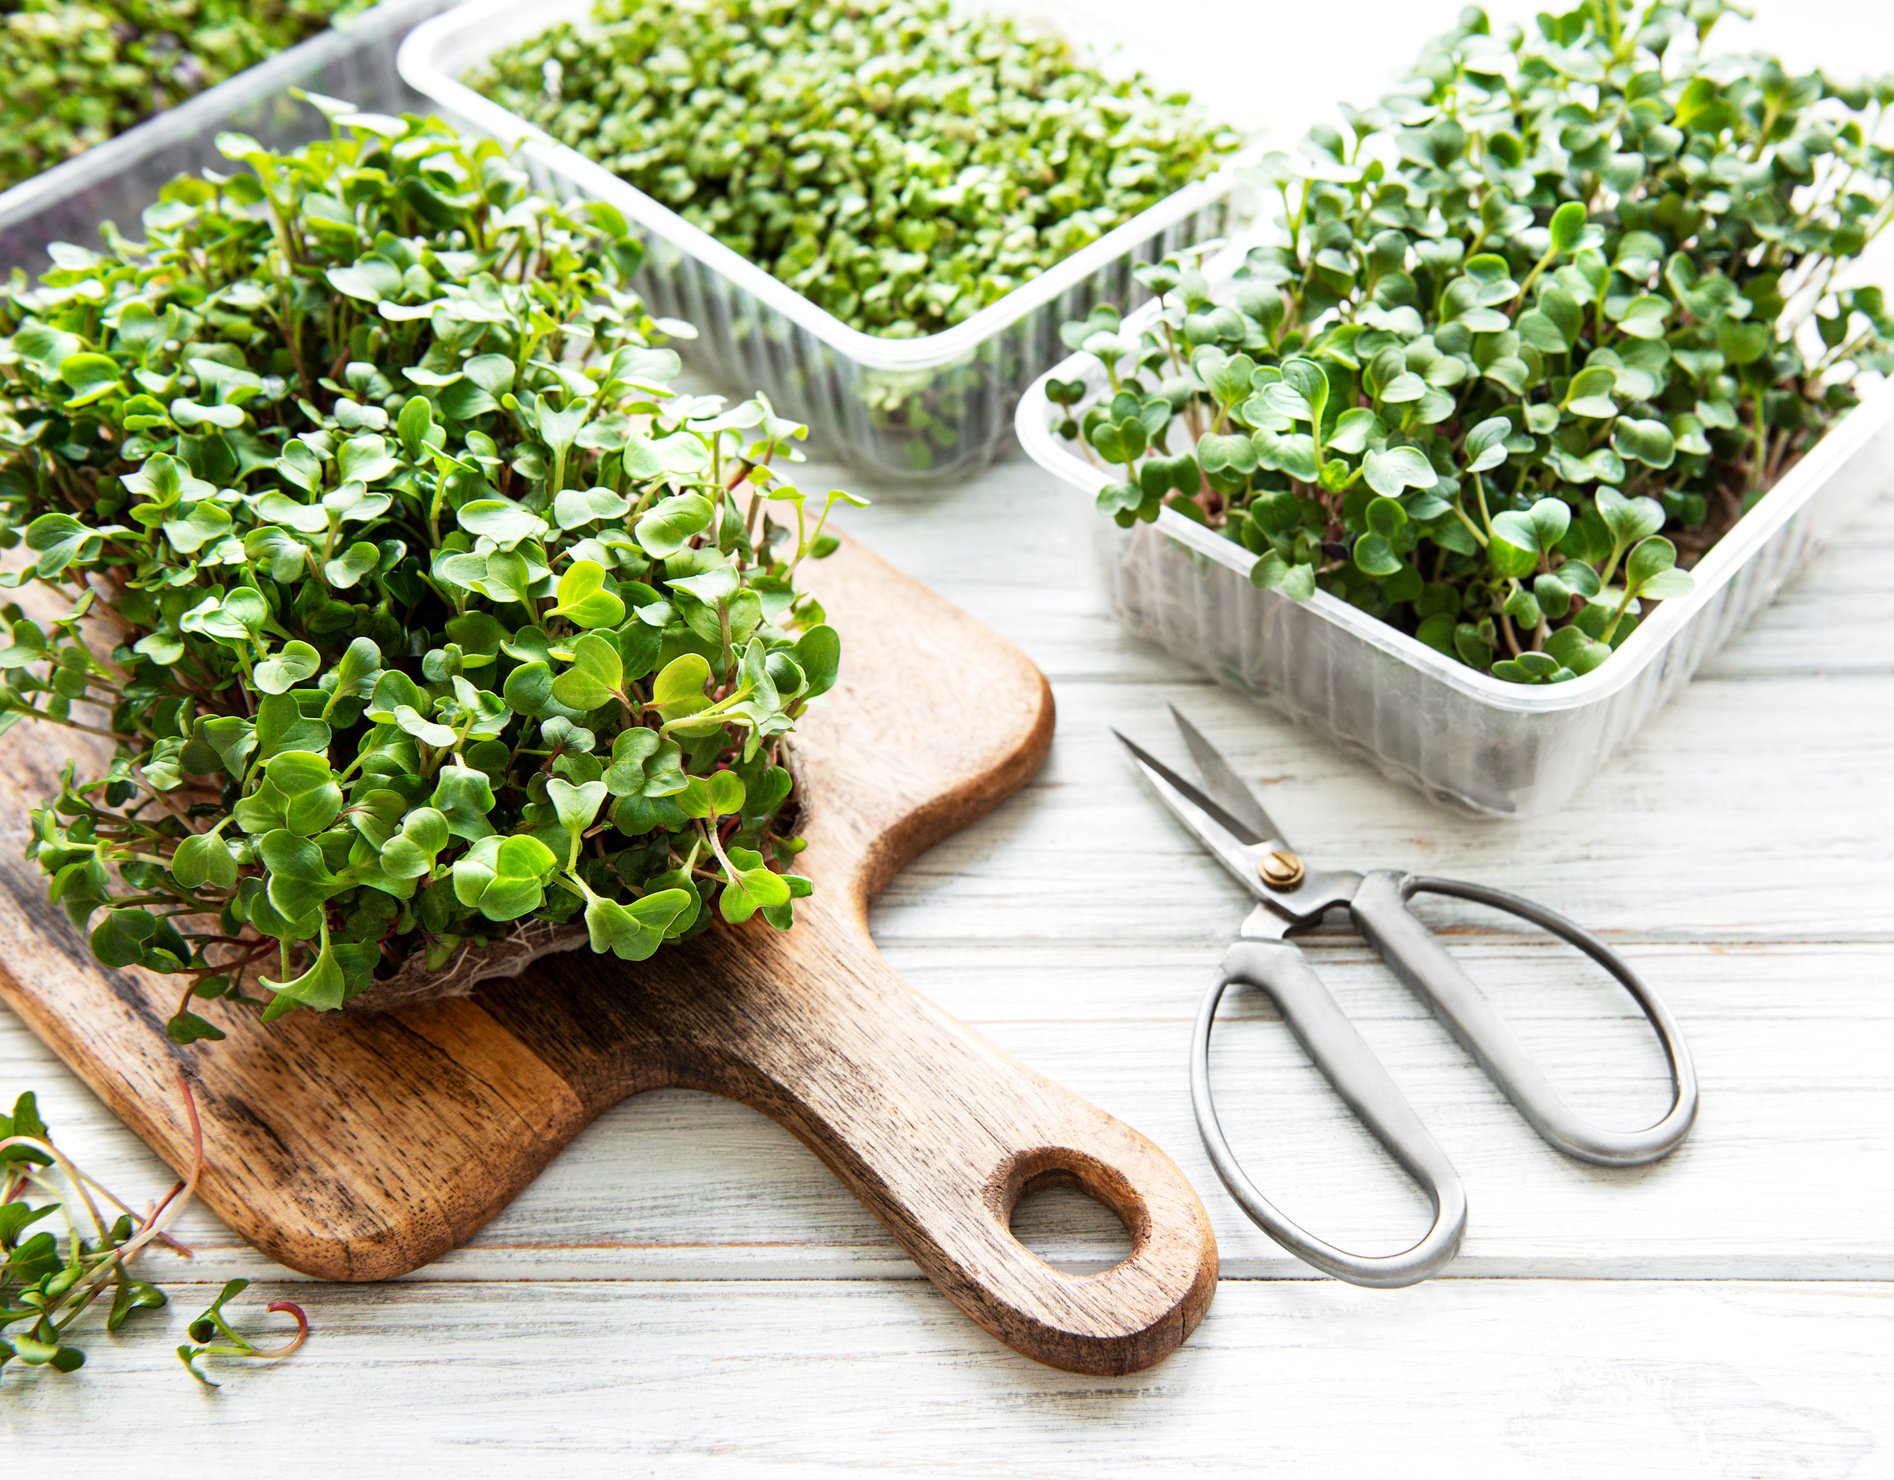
1224, 835
1227, 789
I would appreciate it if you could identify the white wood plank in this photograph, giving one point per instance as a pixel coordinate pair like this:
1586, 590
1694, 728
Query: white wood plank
1455, 1379
1772, 1185
1747, 810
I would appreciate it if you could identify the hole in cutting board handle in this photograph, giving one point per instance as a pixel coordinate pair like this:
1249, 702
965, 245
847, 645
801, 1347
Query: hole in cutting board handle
1065, 1203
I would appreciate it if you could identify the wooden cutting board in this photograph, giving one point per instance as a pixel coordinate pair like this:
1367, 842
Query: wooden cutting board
361, 1146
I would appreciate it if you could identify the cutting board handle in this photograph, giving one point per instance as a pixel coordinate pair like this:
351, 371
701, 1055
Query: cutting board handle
940, 1133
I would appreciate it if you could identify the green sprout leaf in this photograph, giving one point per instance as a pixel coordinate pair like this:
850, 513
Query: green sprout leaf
204, 859
503, 878
596, 676
290, 665
672, 523
750, 886
575, 807
323, 986
634, 931
1568, 221
679, 689
583, 599
1398, 469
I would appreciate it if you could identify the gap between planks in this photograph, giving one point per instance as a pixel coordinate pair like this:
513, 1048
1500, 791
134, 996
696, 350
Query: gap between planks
1628, 1380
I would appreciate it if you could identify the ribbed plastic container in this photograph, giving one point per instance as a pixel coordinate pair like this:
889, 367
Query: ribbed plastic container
1463, 737
925, 408
354, 59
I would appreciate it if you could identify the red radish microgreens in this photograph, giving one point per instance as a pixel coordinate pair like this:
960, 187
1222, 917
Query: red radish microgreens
68, 1246
413, 607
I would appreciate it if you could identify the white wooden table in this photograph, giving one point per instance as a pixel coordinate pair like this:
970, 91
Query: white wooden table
687, 1291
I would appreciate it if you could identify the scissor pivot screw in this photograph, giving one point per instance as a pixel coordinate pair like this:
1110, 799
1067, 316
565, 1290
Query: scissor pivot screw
1282, 869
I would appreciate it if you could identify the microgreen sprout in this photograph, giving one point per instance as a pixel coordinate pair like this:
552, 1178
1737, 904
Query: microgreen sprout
212, 1335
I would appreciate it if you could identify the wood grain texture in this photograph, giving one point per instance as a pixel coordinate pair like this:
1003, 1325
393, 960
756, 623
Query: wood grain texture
360, 1147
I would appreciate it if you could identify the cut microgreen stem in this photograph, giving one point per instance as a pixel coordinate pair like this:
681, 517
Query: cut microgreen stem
76, 1299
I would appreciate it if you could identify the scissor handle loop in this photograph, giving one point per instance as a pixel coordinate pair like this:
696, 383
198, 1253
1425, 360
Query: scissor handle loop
1337, 1047
1380, 911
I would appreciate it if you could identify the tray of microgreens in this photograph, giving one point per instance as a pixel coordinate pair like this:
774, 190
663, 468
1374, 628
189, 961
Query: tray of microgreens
81, 74
879, 205
1551, 368
406, 622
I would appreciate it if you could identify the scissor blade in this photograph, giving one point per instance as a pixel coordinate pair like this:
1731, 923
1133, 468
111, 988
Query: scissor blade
1223, 835
1225, 787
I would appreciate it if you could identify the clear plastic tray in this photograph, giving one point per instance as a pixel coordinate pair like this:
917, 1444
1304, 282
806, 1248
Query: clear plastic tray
1461, 736
916, 408
114, 181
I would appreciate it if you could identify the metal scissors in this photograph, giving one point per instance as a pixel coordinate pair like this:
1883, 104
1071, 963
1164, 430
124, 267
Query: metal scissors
1226, 818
